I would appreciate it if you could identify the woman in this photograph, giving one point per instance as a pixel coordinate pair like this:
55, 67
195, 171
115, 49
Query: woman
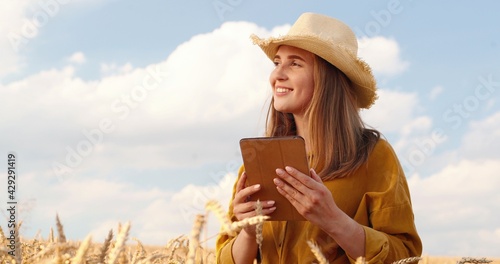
356, 199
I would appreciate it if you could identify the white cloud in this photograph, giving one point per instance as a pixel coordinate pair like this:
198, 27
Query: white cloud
94, 206
112, 69
13, 19
77, 58
482, 139
383, 55
400, 106
198, 102
459, 207
188, 110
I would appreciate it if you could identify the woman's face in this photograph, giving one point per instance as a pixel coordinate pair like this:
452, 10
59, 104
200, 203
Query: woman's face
292, 79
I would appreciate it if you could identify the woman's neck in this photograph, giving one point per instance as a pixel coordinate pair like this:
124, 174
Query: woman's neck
302, 128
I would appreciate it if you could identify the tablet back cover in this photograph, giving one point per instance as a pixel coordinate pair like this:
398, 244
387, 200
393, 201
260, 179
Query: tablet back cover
261, 157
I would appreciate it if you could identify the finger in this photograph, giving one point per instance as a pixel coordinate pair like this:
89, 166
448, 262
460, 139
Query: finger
242, 195
291, 194
288, 191
241, 182
295, 178
252, 206
245, 211
315, 176
268, 210
243, 215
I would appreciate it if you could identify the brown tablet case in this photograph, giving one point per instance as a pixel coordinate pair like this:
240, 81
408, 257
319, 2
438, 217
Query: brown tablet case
261, 157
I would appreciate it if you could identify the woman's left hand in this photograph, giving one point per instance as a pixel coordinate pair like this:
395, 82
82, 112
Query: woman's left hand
308, 195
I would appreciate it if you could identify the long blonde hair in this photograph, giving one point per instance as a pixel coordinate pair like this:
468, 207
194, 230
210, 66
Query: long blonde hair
339, 142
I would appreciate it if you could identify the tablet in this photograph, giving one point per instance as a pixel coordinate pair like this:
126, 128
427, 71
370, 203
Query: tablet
261, 157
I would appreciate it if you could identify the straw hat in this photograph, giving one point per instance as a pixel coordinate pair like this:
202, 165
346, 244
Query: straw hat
333, 41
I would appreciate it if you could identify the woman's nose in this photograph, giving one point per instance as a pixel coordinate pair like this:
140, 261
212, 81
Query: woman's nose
278, 73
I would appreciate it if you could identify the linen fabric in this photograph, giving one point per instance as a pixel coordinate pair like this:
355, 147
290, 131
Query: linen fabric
376, 196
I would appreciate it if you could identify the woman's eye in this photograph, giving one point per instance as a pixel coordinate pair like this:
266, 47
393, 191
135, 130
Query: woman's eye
276, 63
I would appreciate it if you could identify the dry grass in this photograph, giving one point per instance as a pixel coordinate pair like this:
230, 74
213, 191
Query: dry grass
181, 250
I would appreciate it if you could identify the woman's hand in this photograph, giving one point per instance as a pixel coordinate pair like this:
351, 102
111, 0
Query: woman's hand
244, 208
315, 202
308, 195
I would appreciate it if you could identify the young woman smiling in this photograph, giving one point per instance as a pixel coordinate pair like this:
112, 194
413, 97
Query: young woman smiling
355, 199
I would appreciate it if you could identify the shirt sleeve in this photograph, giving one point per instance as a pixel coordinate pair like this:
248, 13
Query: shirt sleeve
224, 243
390, 233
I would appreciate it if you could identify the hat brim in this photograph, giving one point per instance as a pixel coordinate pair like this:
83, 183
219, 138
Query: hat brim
354, 68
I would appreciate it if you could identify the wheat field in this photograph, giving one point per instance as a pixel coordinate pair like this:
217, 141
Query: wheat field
185, 249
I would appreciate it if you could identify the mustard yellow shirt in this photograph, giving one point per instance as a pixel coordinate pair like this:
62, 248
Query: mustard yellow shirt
376, 196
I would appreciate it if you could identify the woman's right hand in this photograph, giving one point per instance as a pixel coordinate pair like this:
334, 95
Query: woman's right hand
244, 208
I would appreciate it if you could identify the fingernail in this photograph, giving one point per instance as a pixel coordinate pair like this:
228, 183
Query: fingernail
256, 186
270, 202
272, 208
279, 172
277, 181
289, 169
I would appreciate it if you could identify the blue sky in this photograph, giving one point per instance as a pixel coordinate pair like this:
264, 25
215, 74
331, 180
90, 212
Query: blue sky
99, 146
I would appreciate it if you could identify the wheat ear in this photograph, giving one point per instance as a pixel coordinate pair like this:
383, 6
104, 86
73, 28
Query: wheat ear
216, 208
238, 225
317, 252
173, 245
120, 243
60, 230
258, 227
82, 251
2, 236
105, 246
19, 251
51, 235
473, 260
194, 239
360, 260
140, 252
408, 260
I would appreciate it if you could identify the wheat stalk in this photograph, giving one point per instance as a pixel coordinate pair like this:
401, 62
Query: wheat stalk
238, 225
105, 246
140, 252
173, 245
154, 257
194, 239
82, 250
258, 227
408, 260
216, 208
58, 259
360, 260
473, 260
51, 235
317, 252
119, 245
2, 236
60, 230
19, 252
